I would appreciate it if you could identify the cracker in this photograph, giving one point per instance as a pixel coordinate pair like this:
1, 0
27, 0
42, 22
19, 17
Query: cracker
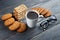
20, 12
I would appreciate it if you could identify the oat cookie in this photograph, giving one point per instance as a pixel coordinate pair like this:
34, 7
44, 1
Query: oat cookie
9, 21
6, 16
14, 26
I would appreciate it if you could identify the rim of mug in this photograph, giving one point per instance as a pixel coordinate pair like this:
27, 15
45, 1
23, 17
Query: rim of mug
33, 11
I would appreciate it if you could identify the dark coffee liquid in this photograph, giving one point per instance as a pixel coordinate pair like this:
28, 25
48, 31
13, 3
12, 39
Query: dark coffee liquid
32, 15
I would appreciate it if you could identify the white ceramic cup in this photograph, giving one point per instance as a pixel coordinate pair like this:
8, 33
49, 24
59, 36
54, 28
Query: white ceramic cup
32, 22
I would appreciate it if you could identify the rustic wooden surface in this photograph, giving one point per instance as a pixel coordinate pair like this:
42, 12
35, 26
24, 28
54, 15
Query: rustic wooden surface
8, 5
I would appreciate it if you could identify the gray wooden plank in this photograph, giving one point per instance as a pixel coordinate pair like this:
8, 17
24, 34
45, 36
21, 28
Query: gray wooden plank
7, 3
5, 32
50, 34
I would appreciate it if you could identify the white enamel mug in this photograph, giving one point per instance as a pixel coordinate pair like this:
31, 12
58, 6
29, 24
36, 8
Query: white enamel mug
31, 22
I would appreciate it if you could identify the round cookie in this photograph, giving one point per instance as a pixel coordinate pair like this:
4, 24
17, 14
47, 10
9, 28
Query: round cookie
14, 26
22, 27
9, 21
6, 16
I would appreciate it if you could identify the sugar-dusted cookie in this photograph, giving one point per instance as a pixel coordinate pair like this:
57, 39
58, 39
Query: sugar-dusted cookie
20, 11
9, 21
6, 16
14, 26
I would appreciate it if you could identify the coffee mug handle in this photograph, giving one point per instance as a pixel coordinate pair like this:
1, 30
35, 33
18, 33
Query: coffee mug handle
41, 17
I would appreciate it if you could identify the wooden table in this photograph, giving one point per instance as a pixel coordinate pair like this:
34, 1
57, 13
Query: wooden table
7, 6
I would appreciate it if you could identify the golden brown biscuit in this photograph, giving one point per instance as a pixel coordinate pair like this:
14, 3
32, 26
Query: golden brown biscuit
14, 26
44, 12
9, 21
48, 14
6, 16
40, 10
22, 27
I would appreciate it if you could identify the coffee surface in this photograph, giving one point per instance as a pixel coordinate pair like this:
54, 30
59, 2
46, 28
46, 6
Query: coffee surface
32, 15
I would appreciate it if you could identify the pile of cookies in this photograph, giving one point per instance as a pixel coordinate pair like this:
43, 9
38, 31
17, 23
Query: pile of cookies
42, 11
12, 24
20, 11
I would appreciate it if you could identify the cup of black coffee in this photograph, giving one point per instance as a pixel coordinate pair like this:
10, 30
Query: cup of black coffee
32, 18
